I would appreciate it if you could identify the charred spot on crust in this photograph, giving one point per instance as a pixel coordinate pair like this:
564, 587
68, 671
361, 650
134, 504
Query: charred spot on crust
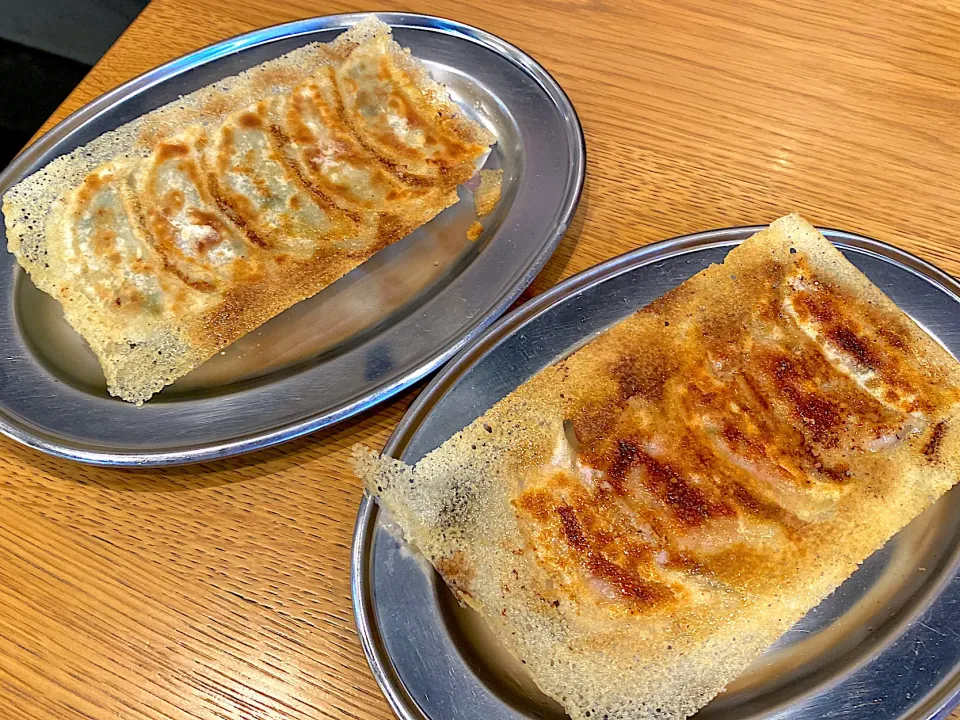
892, 338
838, 474
628, 584
932, 448
688, 502
626, 456
571, 528
848, 341
819, 413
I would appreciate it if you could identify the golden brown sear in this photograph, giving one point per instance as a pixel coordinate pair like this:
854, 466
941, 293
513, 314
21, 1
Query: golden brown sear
639, 521
696, 449
205, 230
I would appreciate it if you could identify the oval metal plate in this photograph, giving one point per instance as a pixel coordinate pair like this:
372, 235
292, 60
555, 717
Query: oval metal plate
886, 644
366, 337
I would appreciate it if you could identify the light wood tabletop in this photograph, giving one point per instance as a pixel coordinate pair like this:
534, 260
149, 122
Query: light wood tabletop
222, 590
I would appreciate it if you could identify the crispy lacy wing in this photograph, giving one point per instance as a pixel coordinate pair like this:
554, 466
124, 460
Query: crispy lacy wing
171, 237
641, 520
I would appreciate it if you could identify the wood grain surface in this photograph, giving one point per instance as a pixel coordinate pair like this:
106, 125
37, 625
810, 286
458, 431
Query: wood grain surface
222, 590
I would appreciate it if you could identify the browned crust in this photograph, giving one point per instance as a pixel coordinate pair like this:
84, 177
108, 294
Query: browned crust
743, 558
141, 352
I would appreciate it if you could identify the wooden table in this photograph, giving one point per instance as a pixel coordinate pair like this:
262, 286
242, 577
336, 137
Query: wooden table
222, 590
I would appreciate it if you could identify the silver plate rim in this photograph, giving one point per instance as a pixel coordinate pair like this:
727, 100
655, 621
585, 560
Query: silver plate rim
936, 706
45, 149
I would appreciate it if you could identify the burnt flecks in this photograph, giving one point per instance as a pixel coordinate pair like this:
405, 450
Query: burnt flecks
848, 341
820, 414
627, 582
688, 502
932, 449
825, 309
572, 529
625, 457
893, 339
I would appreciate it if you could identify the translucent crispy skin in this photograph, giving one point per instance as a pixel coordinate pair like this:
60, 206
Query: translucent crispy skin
170, 238
487, 196
639, 521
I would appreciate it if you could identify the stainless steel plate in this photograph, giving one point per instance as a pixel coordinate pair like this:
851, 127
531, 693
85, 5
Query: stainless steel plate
366, 337
886, 644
